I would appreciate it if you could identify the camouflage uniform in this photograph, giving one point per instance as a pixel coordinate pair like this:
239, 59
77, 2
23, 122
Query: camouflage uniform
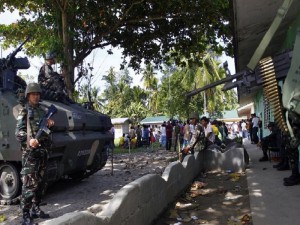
52, 84
34, 161
197, 139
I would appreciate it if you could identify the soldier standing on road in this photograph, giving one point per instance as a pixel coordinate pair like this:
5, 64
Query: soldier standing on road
52, 84
34, 154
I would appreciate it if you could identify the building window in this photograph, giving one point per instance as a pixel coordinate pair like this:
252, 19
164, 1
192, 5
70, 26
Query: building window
267, 113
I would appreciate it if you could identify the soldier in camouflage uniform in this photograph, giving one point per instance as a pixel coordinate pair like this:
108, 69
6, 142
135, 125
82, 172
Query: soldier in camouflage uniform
52, 84
196, 143
34, 154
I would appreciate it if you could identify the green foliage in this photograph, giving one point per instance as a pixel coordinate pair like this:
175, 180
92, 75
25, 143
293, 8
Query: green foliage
168, 98
145, 30
119, 150
238, 140
122, 100
172, 100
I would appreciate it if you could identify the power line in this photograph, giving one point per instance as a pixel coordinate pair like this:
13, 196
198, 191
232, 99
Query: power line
97, 76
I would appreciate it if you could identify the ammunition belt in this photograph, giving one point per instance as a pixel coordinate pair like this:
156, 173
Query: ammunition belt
271, 92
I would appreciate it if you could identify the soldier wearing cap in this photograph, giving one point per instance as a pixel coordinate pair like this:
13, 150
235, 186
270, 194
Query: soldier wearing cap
52, 84
34, 154
197, 135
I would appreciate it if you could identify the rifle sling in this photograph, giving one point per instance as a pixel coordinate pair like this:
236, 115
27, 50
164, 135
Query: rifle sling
28, 127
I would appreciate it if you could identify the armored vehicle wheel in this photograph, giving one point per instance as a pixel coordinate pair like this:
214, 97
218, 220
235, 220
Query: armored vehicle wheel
78, 176
10, 182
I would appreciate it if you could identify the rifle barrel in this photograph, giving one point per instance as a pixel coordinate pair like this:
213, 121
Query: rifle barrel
214, 84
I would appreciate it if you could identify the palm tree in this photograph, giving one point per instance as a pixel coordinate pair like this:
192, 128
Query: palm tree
111, 76
149, 77
208, 72
150, 84
110, 79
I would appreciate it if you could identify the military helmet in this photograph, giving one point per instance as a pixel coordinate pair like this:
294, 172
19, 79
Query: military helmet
194, 115
50, 55
33, 88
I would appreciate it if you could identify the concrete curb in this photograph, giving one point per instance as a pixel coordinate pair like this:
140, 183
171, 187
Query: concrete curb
143, 200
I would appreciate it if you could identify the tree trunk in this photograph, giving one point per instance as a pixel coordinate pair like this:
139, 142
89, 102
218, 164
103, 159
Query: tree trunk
68, 67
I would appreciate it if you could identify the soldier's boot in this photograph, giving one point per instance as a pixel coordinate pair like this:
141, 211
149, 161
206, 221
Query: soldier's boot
27, 219
291, 181
36, 212
283, 160
294, 178
264, 158
285, 165
279, 164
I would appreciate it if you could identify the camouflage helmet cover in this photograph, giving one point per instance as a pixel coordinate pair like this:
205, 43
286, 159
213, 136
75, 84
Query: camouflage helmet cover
33, 88
50, 55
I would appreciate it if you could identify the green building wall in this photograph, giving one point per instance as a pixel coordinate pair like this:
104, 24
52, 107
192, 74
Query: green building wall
259, 105
289, 41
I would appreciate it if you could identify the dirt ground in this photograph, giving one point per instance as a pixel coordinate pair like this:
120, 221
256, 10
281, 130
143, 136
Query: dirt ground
223, 201
214, 198
95, 192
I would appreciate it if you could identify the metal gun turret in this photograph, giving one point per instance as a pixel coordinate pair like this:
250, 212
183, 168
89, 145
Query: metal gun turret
9, 67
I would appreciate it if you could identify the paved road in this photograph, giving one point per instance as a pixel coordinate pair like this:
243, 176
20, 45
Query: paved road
271, 202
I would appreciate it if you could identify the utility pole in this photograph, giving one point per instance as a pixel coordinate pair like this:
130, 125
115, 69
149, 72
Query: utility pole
204, 102
169, 92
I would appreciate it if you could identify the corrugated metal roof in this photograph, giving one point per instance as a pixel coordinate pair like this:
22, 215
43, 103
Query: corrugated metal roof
154, 120
119, 120
231, 115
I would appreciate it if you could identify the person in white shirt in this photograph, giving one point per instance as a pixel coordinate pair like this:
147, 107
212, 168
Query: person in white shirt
163, 136
255, 121
209, 134
235, 129
244, 129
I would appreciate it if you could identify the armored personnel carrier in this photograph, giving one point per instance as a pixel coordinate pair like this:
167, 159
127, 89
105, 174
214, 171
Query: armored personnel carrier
80, 138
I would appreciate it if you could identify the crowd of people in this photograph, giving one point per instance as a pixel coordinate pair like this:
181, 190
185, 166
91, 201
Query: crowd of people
174, 134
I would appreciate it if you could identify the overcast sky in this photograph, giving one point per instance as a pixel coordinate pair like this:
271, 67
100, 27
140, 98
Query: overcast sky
100, 59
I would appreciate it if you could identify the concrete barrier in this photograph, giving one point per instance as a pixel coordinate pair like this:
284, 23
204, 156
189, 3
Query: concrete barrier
233, 160
141, 201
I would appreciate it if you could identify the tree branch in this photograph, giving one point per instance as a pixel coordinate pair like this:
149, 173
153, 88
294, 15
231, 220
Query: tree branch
59, 5
83, 55
95, 44
65, 5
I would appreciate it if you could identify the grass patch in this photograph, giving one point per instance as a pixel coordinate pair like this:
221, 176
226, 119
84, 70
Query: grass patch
119, 150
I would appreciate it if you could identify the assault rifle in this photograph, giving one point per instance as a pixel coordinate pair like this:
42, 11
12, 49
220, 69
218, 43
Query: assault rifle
44, 122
